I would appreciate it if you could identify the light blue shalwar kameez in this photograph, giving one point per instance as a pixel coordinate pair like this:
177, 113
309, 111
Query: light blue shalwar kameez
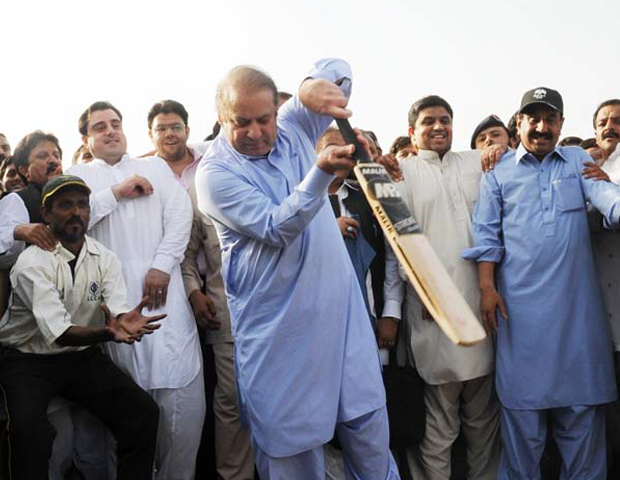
305, 353
554, 353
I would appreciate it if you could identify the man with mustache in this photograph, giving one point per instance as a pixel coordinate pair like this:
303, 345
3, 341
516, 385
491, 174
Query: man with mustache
37, 158
64, 303
606, 247
149, 231
540, 293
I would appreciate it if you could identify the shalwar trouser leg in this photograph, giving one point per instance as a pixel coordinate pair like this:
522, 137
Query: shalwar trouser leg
472, 403
365, 447
233, 447
182, 414
579, 432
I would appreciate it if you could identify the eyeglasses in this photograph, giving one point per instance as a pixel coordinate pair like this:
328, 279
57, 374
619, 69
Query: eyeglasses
175, 127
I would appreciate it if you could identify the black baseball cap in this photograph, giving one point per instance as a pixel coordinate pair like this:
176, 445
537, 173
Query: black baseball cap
56, 184
542, 96
490, 121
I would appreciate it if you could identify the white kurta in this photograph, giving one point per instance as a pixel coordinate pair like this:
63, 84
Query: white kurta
441, 195
148, 232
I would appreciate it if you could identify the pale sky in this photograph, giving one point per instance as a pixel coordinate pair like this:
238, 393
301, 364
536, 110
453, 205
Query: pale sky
480, 55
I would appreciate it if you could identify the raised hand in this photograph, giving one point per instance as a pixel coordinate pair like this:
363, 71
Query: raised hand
324, 97
132, 187
134, 323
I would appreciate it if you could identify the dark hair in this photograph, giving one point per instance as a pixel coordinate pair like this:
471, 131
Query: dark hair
606, 103
570, 142
5, 162
400, 144
512, 125
167, 106
214, 132
283, 96
27, 144
427, 102
588, 143
320, 143
95, 107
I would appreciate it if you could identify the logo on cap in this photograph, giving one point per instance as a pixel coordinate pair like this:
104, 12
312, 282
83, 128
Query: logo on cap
540, 94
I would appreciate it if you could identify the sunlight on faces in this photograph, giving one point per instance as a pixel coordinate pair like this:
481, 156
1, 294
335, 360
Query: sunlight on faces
11, 181
607, 128
433, 130
69, 213
250, 126
44, 162
540, 129
491, 136
105, 138
4, 145
169, 135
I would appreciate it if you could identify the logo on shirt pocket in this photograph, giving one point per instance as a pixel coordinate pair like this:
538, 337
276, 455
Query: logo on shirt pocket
93, 292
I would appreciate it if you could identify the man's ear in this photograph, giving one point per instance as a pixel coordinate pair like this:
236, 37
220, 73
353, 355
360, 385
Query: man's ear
411, 132
45, 214
23, 171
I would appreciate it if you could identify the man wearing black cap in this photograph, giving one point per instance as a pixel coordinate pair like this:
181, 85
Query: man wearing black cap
491, 131
64, 302
553, 355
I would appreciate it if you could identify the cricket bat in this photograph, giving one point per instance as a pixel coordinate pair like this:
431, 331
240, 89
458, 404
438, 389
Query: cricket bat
414, 252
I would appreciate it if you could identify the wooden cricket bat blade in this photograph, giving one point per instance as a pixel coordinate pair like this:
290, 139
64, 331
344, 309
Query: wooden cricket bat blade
419, 260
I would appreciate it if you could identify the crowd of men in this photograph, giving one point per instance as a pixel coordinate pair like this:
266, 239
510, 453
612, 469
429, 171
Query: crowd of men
259, 247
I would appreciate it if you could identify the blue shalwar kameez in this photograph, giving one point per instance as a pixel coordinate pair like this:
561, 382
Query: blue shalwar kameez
305, 353
554, 352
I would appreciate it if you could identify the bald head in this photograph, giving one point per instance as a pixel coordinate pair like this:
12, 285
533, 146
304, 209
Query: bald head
238, 82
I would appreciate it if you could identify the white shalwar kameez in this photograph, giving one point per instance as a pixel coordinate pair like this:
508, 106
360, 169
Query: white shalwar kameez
152, 232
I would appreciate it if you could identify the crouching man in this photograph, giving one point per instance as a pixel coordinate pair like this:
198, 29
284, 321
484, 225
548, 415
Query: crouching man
64, 302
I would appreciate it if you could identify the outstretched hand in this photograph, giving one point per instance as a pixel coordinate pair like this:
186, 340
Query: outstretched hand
131, 326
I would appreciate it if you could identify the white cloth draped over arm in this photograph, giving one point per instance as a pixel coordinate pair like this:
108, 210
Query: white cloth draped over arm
13, 212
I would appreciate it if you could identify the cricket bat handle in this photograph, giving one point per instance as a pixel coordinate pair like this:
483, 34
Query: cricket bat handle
349, 135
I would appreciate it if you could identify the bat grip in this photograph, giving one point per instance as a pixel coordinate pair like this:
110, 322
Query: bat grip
349, 136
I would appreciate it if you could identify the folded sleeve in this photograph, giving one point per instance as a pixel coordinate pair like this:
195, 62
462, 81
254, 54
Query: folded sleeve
36, 289
487, 223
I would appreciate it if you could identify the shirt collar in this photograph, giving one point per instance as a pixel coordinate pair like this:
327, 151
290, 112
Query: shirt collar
100, 161
431, 156
522, 152
89, 246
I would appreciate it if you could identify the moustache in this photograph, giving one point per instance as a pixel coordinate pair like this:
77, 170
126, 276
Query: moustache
536, 135
611, 134
75, 220
52, 167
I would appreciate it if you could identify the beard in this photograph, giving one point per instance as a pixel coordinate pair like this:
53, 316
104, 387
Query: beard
70, 232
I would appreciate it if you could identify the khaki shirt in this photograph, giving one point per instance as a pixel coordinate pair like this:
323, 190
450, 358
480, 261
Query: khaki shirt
441, 195
47, 299
204, 238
